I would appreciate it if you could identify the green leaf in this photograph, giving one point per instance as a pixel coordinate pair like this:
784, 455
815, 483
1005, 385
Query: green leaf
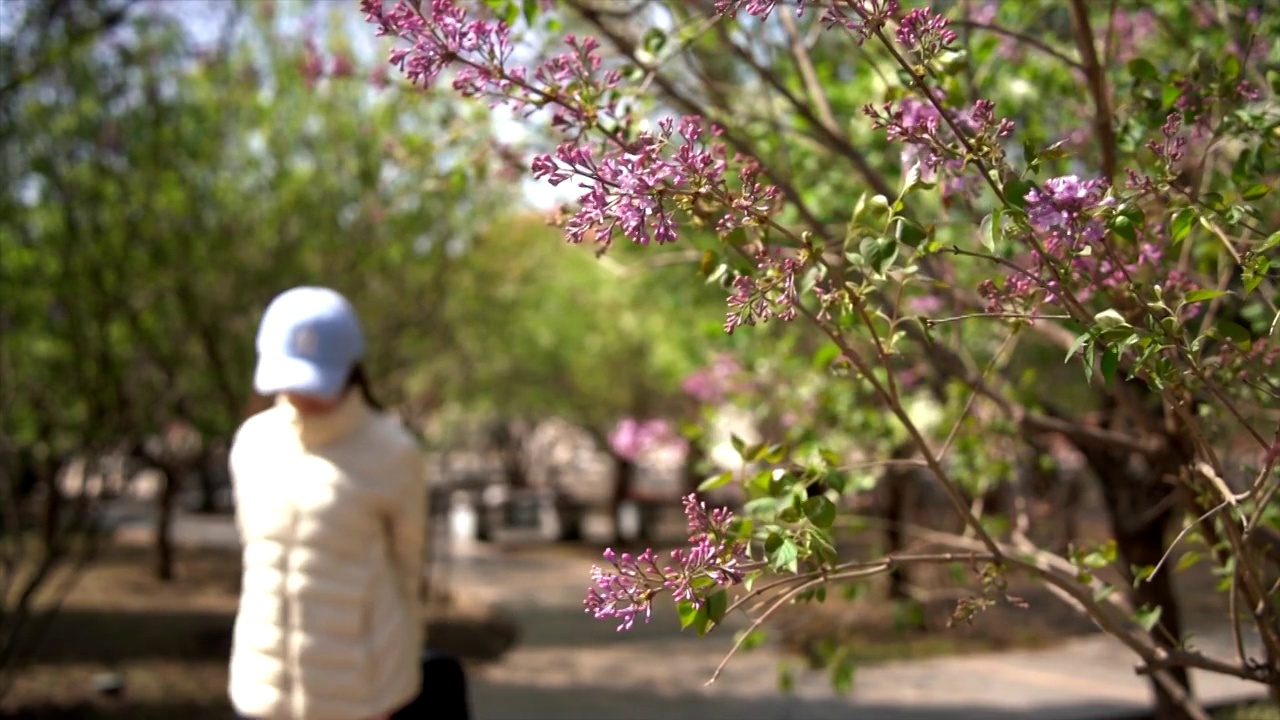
1196, 296
879, 252
1188, 559
1015, 192
820, 511
1235, 332
842, 672
1272, 241
783, 553
750, 639
654, 40
1110, 320
1076, 344
988, 231
786, 680
1142, 69
717, 605
911, 178
688, 613
1124, 227
775, 454
910, 233
702, 621
1110, 363
716, 481
1231, 68
1183, 220
1255, 271
1255, 191
1147, 616
530, 11
1142, 573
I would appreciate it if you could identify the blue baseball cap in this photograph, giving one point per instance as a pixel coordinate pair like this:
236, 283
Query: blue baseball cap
308, 342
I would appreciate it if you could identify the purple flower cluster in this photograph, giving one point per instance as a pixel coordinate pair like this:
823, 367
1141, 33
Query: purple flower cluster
1171, 149
1066, 214
1064, 211
862, 17
758, 8
770, 293
927, 139
1130, 28
629, 589
635, 186
632, 183
926, 34
631, 438
712, 383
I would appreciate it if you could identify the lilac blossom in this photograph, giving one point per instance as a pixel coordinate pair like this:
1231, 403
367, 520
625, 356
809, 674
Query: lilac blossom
712, 383
925, 33
930, 141
630, 438
629, 589
631, 184
770, 293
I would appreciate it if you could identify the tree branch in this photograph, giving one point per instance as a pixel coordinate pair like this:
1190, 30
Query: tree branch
1096, 77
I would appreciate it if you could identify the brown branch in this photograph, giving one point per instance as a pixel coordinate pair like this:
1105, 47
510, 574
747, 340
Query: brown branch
625, 46
1096, 77
1029, 40
829, 131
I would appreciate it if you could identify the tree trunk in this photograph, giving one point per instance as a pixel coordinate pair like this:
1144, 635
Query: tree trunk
624, 480
508, 440
164, 523
899, 484
52, 512
692, 476
1141, 508
208, 489
1140, 542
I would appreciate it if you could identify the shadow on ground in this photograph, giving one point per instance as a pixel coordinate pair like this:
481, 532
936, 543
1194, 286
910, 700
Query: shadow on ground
82, 635
506, 702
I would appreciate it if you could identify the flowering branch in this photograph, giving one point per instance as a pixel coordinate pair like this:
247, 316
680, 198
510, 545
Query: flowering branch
1069, 251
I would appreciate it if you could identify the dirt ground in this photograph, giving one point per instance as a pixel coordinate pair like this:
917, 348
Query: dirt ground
170, 642
875, 629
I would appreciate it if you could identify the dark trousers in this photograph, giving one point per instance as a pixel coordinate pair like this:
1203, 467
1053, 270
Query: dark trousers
444, 692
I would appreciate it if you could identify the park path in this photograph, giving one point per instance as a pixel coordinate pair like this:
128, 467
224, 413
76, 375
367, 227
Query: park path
569, 666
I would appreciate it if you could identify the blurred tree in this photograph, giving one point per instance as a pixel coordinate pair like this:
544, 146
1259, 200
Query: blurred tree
158, 192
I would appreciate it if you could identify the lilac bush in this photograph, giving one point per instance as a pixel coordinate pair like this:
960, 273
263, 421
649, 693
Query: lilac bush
1110, 201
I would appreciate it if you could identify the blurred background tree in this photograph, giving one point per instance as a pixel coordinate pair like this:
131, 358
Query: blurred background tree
169, 168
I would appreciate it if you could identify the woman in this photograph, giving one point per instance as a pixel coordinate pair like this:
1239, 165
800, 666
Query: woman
331, 508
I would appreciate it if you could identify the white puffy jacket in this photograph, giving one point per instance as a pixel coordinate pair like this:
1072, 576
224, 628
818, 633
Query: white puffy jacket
332, 512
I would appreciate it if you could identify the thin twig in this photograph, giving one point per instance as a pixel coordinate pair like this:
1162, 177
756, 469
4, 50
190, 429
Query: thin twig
1190, 526
1029, 40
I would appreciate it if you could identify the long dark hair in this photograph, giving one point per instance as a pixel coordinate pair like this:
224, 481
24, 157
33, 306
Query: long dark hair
358, 379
